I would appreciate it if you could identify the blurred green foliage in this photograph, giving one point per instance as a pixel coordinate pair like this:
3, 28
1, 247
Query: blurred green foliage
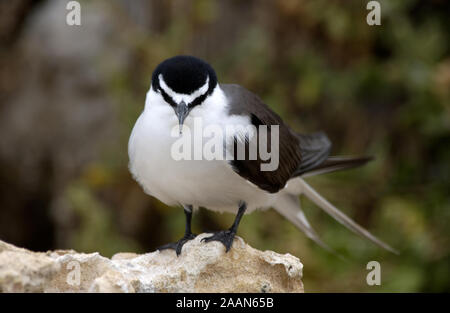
381, 90
378, 90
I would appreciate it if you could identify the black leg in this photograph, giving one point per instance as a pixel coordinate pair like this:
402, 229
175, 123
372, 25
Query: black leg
227, 236
188, 235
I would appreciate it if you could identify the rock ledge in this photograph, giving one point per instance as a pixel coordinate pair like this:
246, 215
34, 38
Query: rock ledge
201, 267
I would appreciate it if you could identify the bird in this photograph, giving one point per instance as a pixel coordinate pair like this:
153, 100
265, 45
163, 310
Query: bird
185, 90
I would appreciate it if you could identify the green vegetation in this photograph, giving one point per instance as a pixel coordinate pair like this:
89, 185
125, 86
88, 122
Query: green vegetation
380, 90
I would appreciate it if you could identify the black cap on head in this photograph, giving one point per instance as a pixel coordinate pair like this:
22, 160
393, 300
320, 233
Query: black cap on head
185, 74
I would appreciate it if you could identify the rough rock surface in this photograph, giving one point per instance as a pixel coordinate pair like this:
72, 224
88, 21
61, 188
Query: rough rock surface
201, 267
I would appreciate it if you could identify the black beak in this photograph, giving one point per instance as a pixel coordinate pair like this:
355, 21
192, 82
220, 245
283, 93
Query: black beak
181, 110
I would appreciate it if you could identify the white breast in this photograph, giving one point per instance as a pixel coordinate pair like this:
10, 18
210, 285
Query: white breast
210, 184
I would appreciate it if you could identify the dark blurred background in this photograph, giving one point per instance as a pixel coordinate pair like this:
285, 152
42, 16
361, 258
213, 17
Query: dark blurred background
69, 96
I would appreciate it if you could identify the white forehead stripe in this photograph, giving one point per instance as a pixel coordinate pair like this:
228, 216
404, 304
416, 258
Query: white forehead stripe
178, 97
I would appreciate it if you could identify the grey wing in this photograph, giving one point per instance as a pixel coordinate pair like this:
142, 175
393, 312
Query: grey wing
314, 149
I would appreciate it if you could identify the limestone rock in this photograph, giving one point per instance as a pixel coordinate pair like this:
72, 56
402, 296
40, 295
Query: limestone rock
201, 267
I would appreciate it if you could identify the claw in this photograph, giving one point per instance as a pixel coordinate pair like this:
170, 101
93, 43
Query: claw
226, 237
178, 246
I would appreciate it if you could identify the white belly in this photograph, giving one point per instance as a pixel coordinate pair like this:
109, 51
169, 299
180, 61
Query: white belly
201, 183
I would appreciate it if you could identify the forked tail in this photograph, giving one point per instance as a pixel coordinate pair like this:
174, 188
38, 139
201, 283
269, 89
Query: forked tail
288, 204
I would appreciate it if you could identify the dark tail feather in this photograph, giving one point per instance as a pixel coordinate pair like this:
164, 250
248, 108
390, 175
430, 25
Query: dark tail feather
337, 163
